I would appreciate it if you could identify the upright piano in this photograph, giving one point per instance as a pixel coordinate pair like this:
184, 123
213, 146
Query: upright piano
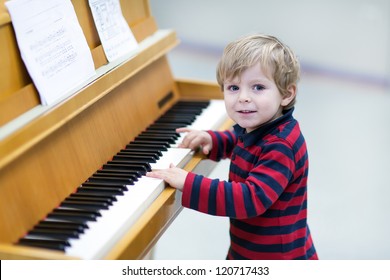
67, 167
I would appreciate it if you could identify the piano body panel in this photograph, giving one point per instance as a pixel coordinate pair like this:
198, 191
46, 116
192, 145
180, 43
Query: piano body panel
18, 103
48, 157
203, 89
13, 99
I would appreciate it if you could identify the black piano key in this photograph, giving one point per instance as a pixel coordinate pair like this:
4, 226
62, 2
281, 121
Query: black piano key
154, 143
154, 156
155, 128
61, 234
138, 148
168, 139
111, 179
105, 184
72, 217
80, 227
120, 170
44, 243
112, 165
89, 194
186, 110
129, 162
112, 173
147, 147
153, 135
168, 126
80, 212
133, 158
87, 205
75, 197
179, 116
100, 190
161, 131
179, 123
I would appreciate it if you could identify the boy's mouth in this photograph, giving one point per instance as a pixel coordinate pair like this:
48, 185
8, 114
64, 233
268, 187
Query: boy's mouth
246, 111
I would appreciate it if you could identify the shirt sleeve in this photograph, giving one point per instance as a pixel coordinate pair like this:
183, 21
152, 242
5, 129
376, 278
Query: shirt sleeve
223, 144
266, 181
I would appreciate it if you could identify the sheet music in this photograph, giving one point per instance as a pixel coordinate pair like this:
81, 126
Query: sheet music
115, 34
52, 46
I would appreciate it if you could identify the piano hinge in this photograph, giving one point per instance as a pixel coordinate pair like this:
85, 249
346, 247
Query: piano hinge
165, 100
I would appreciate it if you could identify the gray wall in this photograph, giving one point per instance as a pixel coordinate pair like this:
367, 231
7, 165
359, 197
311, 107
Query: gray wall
348, 37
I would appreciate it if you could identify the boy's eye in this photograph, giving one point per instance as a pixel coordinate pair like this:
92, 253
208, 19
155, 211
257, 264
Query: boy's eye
232, 88
258, 87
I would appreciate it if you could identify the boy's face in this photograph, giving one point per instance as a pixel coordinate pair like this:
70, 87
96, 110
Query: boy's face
253, 99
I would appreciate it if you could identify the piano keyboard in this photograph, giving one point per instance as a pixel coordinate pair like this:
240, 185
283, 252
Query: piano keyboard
93, 218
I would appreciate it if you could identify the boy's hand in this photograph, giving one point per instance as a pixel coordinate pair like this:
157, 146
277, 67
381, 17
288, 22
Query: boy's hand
195, 139
173, 175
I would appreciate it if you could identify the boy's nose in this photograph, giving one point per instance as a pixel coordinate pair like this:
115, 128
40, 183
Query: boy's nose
244, 96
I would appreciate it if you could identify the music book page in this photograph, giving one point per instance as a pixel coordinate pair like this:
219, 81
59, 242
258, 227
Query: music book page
52, 46
115, 34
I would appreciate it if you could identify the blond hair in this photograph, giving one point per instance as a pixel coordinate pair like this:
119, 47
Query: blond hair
275, 58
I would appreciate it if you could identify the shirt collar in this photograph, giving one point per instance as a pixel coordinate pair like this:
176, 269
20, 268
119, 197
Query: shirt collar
252, 137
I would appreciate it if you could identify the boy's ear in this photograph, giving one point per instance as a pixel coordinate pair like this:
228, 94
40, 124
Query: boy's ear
291, 93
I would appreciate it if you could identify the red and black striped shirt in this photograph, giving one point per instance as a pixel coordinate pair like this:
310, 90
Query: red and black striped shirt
266, 195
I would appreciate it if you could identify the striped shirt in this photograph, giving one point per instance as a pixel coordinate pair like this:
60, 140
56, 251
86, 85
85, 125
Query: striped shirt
266, 195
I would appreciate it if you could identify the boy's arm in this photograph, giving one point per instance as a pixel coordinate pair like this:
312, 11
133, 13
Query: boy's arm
223, 144
252, 197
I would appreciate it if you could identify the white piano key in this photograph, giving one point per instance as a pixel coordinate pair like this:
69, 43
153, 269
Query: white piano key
212, 117
177, 156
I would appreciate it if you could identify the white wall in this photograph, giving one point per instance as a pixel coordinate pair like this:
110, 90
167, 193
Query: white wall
347, 36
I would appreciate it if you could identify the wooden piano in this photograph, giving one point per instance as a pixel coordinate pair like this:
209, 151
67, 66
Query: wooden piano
47, 152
